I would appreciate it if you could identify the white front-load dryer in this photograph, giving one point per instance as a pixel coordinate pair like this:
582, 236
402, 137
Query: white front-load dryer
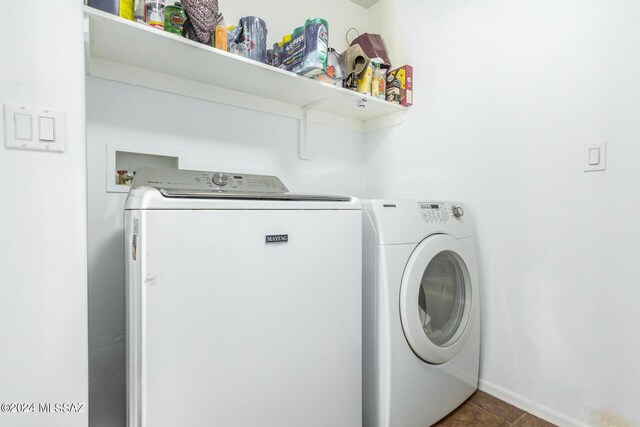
421, 314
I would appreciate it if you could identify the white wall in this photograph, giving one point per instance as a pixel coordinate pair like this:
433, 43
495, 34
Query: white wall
207, 136
506, 94
43, 272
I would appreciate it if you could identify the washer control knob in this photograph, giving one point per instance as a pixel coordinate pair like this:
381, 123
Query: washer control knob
457, 211
220, 179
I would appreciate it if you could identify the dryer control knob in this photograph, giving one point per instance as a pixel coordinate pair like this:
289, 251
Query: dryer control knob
220, 179
457, 211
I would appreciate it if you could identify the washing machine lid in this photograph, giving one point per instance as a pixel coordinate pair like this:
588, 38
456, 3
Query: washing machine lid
437, 297
155, 188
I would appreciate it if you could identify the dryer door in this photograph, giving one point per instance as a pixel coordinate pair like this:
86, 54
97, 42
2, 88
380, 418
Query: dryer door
436, 299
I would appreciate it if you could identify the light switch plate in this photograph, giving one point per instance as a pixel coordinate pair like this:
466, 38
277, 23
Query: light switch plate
594, 156
54, 132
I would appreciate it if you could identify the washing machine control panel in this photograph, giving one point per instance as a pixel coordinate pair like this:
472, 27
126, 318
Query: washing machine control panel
437, 212
220, 182
234, 182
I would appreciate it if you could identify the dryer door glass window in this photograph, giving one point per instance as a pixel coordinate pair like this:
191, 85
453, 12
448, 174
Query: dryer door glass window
436, 298
441, 298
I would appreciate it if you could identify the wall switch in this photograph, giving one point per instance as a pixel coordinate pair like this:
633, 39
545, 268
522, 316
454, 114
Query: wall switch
22, 126
34, 129
47, 128
595, 156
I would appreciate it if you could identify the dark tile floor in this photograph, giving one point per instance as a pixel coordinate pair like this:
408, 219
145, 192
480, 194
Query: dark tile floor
484, 410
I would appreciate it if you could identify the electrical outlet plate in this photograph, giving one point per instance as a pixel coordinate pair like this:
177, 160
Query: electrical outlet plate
34, 129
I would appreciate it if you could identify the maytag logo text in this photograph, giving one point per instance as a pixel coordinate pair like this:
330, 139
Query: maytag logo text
277, 238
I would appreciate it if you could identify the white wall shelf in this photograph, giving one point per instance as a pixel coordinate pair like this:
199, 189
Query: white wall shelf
129, 52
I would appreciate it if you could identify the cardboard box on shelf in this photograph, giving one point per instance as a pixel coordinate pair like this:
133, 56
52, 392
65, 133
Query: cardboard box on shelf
400, 85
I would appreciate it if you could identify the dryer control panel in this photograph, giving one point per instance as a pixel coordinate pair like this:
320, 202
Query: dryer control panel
435, 212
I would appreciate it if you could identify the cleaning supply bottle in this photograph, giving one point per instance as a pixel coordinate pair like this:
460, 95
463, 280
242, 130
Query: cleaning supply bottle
316, 47
375, 80
139, 11
154, 13
174, 17
364, 80
221, 36
277, 54
286, 40
383, 84
295, 50
121, 8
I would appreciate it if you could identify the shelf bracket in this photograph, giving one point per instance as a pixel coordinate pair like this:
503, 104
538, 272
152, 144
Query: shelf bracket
390, 120
87, 45
305, 148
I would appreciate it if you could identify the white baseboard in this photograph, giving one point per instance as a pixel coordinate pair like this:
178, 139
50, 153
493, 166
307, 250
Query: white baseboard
533, 408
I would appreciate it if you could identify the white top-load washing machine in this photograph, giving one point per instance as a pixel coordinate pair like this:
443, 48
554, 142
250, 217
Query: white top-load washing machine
421, 331
243, 303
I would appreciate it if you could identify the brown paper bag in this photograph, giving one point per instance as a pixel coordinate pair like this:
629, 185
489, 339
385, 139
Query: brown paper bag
373, 46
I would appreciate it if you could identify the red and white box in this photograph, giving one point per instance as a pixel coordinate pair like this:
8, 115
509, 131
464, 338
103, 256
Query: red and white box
400, 85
